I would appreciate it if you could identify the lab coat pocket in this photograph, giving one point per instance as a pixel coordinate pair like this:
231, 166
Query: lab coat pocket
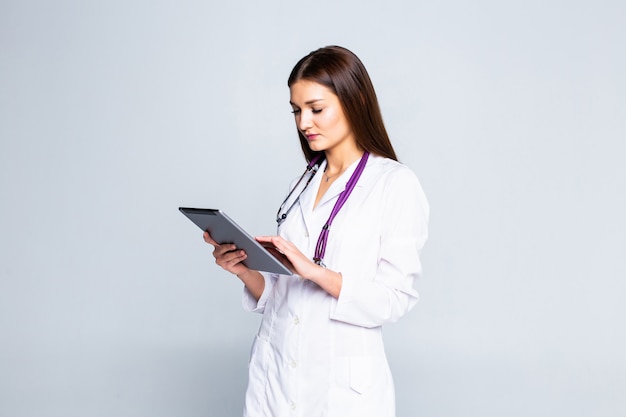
361, 373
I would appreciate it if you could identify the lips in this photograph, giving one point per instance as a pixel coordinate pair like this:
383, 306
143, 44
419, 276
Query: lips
311, 136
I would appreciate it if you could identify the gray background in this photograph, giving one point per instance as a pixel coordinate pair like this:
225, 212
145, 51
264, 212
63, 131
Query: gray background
114, 113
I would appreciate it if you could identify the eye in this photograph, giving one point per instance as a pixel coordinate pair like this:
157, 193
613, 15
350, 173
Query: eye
316, 111
295, 111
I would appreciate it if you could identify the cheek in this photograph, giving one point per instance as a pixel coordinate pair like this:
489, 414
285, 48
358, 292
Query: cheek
331, 120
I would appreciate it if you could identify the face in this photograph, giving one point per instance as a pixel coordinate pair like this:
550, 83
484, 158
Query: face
320, 117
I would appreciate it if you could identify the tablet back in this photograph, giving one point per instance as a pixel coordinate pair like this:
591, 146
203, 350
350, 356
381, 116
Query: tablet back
224, 230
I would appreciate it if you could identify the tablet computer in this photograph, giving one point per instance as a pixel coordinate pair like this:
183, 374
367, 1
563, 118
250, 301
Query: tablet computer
224, 230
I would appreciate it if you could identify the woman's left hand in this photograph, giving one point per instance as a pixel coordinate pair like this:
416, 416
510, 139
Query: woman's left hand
289, 255
298, 263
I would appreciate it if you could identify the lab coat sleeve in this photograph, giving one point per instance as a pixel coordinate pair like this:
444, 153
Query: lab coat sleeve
368, 302
250, 303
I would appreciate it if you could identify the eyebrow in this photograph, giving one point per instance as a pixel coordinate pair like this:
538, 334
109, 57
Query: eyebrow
307, 102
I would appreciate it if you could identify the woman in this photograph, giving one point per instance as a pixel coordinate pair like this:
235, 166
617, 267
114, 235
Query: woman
319, 349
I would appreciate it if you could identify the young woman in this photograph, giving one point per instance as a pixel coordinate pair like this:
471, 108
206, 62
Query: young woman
351, 230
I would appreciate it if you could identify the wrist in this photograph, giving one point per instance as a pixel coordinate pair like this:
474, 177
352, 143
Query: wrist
245, 275
329, 280
317, 273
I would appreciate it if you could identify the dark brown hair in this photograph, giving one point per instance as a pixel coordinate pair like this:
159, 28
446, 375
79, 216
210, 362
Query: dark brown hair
344, 74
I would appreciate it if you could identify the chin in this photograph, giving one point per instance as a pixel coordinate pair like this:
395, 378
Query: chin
315, 147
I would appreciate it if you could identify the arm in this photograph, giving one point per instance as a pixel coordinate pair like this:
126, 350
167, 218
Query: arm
390, 293
387, 293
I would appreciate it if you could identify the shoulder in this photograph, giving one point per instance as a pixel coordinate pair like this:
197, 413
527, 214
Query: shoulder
390, 171
397, 183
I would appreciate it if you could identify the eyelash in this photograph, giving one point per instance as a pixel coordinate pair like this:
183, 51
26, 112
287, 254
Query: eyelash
314, 111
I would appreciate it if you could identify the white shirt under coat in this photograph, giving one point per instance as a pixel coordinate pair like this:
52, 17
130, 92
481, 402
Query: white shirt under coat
317, 356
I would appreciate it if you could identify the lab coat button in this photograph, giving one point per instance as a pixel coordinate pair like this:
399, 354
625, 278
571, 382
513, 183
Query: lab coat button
293, 364
292, 405
296, 320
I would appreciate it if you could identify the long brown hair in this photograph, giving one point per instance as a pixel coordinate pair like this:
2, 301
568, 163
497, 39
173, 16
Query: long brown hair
341, 71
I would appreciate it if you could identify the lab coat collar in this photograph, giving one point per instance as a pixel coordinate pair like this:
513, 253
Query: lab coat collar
307, 199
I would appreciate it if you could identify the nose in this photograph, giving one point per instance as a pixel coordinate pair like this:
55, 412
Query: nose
304, 120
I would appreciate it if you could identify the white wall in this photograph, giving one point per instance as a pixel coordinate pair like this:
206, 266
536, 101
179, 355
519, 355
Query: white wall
114, 113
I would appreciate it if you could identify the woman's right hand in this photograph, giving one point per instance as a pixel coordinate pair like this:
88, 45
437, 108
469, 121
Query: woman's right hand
231, 259
228, 256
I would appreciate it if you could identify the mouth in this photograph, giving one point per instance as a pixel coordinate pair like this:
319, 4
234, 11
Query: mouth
311, 136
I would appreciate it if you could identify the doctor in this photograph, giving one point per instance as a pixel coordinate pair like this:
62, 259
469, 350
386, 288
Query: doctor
351, 229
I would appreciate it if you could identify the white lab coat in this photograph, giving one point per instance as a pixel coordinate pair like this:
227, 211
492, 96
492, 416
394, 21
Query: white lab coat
317, 356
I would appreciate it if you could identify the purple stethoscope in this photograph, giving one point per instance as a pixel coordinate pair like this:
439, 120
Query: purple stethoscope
311, 169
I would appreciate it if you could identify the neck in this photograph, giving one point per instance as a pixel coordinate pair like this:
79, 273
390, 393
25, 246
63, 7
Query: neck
337, 162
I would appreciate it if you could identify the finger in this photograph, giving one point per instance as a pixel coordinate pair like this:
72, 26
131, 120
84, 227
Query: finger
231, 259
271, 243
221, 250
208, 239
274, 240
283, 245
270, 247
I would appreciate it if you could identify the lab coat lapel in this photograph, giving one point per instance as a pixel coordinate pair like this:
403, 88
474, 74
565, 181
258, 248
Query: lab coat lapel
338, 186
334, 190
307, 198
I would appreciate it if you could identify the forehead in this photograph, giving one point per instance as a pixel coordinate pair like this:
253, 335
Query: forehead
304, 91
